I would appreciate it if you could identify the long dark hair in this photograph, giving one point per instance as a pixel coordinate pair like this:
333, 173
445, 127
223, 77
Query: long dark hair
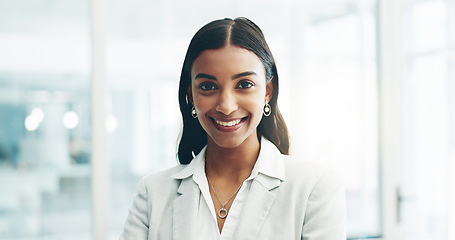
239, 32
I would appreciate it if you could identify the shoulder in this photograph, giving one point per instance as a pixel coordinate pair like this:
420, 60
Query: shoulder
321, 192
162, 179
298, 171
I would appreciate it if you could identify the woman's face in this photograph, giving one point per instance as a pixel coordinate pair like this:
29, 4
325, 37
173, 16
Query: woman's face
229, 89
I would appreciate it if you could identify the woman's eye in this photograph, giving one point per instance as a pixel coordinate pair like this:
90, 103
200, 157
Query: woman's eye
207, 86
245, 85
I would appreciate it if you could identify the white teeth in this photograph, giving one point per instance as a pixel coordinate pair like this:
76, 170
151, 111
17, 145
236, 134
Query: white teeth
228, 124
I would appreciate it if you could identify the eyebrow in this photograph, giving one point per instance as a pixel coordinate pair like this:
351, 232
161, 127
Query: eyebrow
243, 74
203, 75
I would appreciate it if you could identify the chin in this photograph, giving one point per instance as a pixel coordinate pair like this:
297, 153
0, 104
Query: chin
228, 143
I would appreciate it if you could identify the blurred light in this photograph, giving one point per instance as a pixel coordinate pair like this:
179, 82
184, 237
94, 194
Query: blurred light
111, 123
31, 124
33, 120
70, 120
38, 114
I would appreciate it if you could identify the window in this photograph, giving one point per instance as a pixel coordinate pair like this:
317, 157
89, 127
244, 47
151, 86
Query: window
428, 117
45, 130
337, 106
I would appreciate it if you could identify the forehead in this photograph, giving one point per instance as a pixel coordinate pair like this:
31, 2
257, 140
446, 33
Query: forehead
227, 59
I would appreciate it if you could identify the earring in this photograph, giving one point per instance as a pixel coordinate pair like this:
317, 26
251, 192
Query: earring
267, 110
193, 112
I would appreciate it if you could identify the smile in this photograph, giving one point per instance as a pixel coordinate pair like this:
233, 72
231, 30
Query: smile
228, 124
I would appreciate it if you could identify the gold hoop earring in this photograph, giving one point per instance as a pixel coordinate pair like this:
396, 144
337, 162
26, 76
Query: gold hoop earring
193, 112
267, 110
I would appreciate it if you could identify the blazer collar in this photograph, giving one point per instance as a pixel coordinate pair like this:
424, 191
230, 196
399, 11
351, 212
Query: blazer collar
185, 211
256, 207
191, 167
185, 206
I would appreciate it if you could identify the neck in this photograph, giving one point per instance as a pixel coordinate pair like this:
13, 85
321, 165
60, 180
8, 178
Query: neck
231, 163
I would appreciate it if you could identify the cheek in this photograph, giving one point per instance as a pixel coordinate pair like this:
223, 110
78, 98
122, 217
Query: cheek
202, 104
254, 103
259, 110
256, 106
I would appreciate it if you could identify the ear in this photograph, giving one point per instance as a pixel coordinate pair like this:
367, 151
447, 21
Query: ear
189, 94
268, 91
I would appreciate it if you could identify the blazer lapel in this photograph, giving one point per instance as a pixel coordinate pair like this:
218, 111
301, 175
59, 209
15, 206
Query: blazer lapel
185, 210
256, 207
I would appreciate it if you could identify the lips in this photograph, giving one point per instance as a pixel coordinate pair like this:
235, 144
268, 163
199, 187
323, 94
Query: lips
228, 125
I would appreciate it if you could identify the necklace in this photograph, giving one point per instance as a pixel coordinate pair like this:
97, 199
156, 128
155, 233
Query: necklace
223, 212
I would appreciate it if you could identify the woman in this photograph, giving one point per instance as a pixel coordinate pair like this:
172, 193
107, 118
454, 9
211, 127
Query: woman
241, 184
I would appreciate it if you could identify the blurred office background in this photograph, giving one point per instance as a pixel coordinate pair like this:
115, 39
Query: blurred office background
367, 86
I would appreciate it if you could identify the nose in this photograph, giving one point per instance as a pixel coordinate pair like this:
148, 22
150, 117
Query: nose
227, 103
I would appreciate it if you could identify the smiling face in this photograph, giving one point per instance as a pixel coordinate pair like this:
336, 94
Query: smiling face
229, 90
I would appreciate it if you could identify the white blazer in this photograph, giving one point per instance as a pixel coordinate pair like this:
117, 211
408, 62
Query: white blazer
309, 204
